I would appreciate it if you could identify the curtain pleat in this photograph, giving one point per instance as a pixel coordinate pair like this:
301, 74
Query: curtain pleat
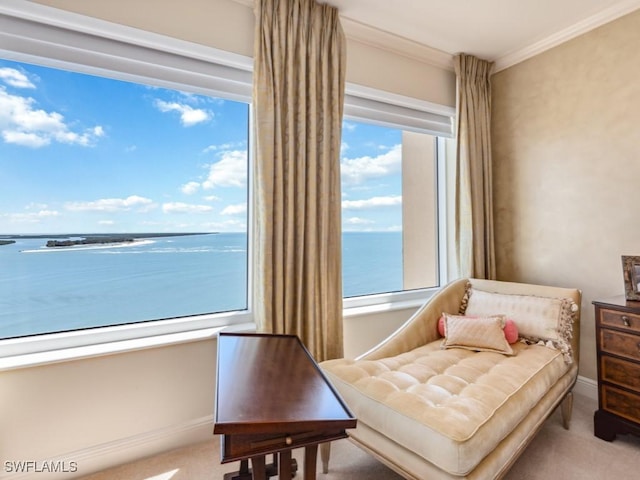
474, 196
298, 104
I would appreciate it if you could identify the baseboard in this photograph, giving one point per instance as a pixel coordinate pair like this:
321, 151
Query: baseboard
587, 387
99, 457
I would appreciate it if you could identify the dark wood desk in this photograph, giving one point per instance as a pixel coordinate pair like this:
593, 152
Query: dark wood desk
272, 397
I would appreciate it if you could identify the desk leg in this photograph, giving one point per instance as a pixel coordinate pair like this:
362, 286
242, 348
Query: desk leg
258, 468
310, 461
325, 454
286, 470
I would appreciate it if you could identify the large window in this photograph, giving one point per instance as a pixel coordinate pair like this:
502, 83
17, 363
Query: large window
122, 202
392, 161
377, 175
124, 162
125, 166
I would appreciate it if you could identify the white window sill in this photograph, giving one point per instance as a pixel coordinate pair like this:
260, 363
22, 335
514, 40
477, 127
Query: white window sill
110, 348
68, 347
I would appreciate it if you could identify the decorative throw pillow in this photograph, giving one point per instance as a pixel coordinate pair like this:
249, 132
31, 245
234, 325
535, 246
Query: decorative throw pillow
483, 334
510, 329
539, 319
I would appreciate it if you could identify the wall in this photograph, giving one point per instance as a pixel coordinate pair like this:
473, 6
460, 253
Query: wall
111, 409
229, 25
104, 410
566, 165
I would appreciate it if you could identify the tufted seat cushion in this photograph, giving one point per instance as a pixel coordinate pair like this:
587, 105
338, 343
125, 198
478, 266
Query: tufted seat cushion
451, 407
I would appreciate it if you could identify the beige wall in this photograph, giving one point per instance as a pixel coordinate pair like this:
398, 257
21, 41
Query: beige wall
111, 409
222, 24
228, 25
70, 408
566, 154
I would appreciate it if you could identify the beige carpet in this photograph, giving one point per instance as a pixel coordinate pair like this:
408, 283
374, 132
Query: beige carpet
555, 453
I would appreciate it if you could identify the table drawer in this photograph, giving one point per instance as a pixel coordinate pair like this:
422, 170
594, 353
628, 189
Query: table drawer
626, 321
239, 447
621, 403
619, 343
620, 372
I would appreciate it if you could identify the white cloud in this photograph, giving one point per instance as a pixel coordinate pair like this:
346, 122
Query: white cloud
358, 221
31, 217
37, 206
112, 205
237, 209
212, 198
224, 146
349, 126
189, 116
25, 139
106, 222
229, 171
190, 188
21, 123
179, 207
231, 225
357, 170
374, 202
15, 78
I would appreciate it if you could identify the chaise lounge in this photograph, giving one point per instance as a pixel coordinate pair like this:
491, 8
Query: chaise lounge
465, 405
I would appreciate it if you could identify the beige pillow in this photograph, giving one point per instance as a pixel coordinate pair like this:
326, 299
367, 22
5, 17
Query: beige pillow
483, 334
545, 319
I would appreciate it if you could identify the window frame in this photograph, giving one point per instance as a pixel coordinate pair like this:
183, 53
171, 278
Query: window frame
47, 36
405, 113
54, 38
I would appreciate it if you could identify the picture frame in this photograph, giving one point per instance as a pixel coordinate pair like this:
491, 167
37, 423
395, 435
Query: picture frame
631, 274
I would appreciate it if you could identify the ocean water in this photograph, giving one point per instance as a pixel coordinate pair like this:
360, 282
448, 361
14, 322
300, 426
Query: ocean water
47, 290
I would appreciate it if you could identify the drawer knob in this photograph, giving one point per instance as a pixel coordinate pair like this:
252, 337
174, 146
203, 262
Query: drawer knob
289, 440
626, 321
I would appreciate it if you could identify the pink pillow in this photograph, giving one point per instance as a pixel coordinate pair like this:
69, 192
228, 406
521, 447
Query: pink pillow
510, 329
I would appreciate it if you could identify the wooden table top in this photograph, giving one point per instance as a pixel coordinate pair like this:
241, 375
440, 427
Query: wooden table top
271, 384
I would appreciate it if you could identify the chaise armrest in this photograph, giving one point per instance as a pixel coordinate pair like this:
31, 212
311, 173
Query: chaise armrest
422, 327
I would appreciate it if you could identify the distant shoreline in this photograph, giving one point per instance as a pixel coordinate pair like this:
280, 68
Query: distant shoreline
65, 240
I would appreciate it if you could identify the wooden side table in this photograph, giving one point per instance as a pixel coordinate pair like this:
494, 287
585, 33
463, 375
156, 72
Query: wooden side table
272, 397
618, 350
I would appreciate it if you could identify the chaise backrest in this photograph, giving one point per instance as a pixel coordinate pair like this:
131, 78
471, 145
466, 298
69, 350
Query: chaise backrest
513, 288
421, 327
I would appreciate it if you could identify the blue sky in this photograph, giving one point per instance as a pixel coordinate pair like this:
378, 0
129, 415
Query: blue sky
84, 154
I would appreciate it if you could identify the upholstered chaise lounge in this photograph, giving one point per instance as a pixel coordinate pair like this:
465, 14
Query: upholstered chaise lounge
465, 405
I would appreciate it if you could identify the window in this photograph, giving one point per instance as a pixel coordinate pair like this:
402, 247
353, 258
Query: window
127, 154
124, 202
107, 135
391, 157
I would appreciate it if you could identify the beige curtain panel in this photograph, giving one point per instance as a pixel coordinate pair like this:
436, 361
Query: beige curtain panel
474, 196
299, 78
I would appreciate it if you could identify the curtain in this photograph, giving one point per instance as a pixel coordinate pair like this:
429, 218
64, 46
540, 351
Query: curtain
298, 95
474, 204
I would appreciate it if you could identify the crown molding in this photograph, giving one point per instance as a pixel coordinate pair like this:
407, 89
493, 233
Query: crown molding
605, 16
368, 35
396, 44
383, 40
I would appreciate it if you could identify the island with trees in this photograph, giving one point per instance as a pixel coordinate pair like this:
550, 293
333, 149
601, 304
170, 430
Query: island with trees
112, 239
72, 240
